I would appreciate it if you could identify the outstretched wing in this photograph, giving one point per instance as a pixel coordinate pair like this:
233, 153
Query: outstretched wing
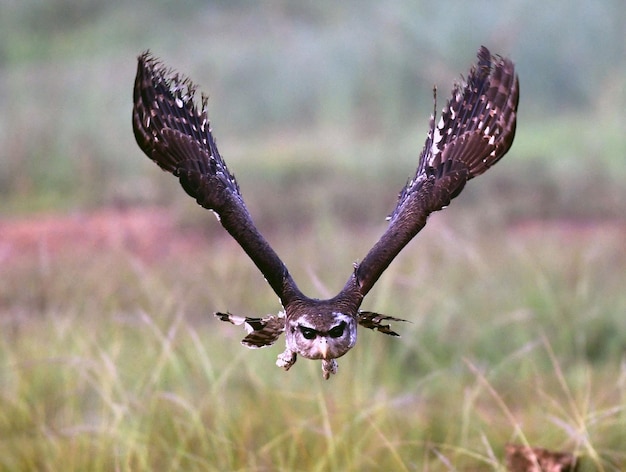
175, 134
476, 129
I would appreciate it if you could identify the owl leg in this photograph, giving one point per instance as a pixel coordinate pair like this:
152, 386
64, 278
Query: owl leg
286, 359
329, 366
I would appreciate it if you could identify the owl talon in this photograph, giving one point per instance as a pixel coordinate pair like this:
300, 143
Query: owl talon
329, 366
286, 359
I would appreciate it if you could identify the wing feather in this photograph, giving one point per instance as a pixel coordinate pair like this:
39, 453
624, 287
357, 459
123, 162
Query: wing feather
476, 128
261, 331
176, 134
376, 321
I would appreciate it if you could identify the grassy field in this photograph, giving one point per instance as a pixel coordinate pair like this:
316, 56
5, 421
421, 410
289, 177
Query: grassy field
111, 359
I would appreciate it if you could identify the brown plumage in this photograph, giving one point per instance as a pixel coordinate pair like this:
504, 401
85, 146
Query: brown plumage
476, 129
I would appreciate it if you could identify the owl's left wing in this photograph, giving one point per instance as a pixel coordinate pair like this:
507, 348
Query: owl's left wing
175, 134
476, 129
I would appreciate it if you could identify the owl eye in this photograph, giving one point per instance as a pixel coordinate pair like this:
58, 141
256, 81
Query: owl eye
337, 331
308, 333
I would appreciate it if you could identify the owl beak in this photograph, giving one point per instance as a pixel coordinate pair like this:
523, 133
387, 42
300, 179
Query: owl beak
323, 347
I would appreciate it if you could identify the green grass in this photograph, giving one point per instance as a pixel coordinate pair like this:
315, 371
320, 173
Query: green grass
113, 362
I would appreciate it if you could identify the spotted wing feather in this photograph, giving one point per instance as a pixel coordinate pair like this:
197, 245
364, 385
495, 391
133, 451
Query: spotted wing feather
172, 131
476, 128
375, 321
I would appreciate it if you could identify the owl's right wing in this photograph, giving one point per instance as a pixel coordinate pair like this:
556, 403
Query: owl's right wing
476, 129
175, 134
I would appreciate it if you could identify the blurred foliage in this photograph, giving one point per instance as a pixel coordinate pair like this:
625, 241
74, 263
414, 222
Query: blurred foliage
110, 359
343, 86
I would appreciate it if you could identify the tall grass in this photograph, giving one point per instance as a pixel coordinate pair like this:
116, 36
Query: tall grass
112, 361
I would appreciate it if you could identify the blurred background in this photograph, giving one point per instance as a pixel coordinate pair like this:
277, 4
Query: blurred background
300, 90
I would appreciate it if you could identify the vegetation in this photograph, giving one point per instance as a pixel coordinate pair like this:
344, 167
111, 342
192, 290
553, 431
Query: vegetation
319, 85
109, 356
112, 361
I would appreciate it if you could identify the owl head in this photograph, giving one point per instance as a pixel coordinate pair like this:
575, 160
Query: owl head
320, 334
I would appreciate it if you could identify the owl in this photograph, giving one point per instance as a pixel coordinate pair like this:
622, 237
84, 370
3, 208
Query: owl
476, 128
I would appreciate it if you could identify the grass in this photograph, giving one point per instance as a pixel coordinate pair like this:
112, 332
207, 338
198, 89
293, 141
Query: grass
515, 337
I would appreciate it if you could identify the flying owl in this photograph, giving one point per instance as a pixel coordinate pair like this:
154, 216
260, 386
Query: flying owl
476, 129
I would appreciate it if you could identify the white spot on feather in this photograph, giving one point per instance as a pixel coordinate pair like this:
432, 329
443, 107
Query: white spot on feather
441, 123
216, 214
436, 136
